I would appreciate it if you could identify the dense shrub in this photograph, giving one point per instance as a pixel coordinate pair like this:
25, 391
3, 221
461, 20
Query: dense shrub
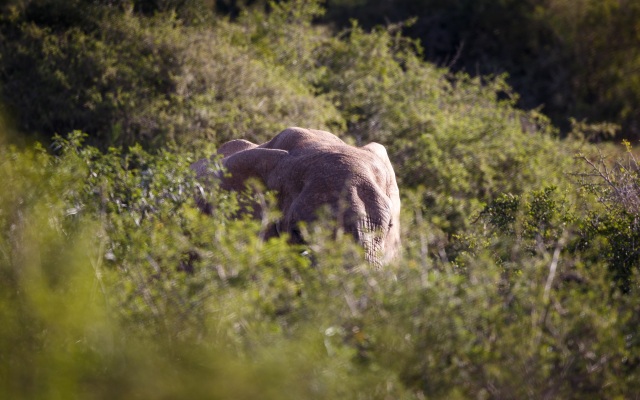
573, 58
128, 79
155, 80
613, 232
461, 140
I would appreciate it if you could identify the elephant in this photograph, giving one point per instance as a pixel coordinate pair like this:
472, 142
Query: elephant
311, 169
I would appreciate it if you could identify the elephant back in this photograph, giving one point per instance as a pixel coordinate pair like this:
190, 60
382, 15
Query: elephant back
295, 138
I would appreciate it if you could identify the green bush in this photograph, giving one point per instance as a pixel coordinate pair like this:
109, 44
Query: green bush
128, 79
459, 141
558, 53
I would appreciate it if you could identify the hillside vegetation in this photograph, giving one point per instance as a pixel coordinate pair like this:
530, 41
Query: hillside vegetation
519, 274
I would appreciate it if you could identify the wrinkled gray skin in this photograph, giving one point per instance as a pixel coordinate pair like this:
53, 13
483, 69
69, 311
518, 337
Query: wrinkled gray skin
310, 169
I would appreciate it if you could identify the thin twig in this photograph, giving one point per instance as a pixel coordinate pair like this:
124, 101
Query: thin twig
546, 294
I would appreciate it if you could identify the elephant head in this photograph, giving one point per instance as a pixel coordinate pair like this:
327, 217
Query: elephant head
312, 169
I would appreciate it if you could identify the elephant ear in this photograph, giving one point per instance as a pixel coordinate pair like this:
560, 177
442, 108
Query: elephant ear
252, 163
201, 167
235, 146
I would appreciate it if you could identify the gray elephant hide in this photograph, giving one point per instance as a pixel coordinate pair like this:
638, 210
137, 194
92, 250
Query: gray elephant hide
312, 169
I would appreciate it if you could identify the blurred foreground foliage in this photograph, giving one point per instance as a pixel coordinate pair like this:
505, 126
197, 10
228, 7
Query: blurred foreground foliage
114, 284
519, 274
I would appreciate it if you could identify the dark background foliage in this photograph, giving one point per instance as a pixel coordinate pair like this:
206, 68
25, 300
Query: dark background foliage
573, 59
